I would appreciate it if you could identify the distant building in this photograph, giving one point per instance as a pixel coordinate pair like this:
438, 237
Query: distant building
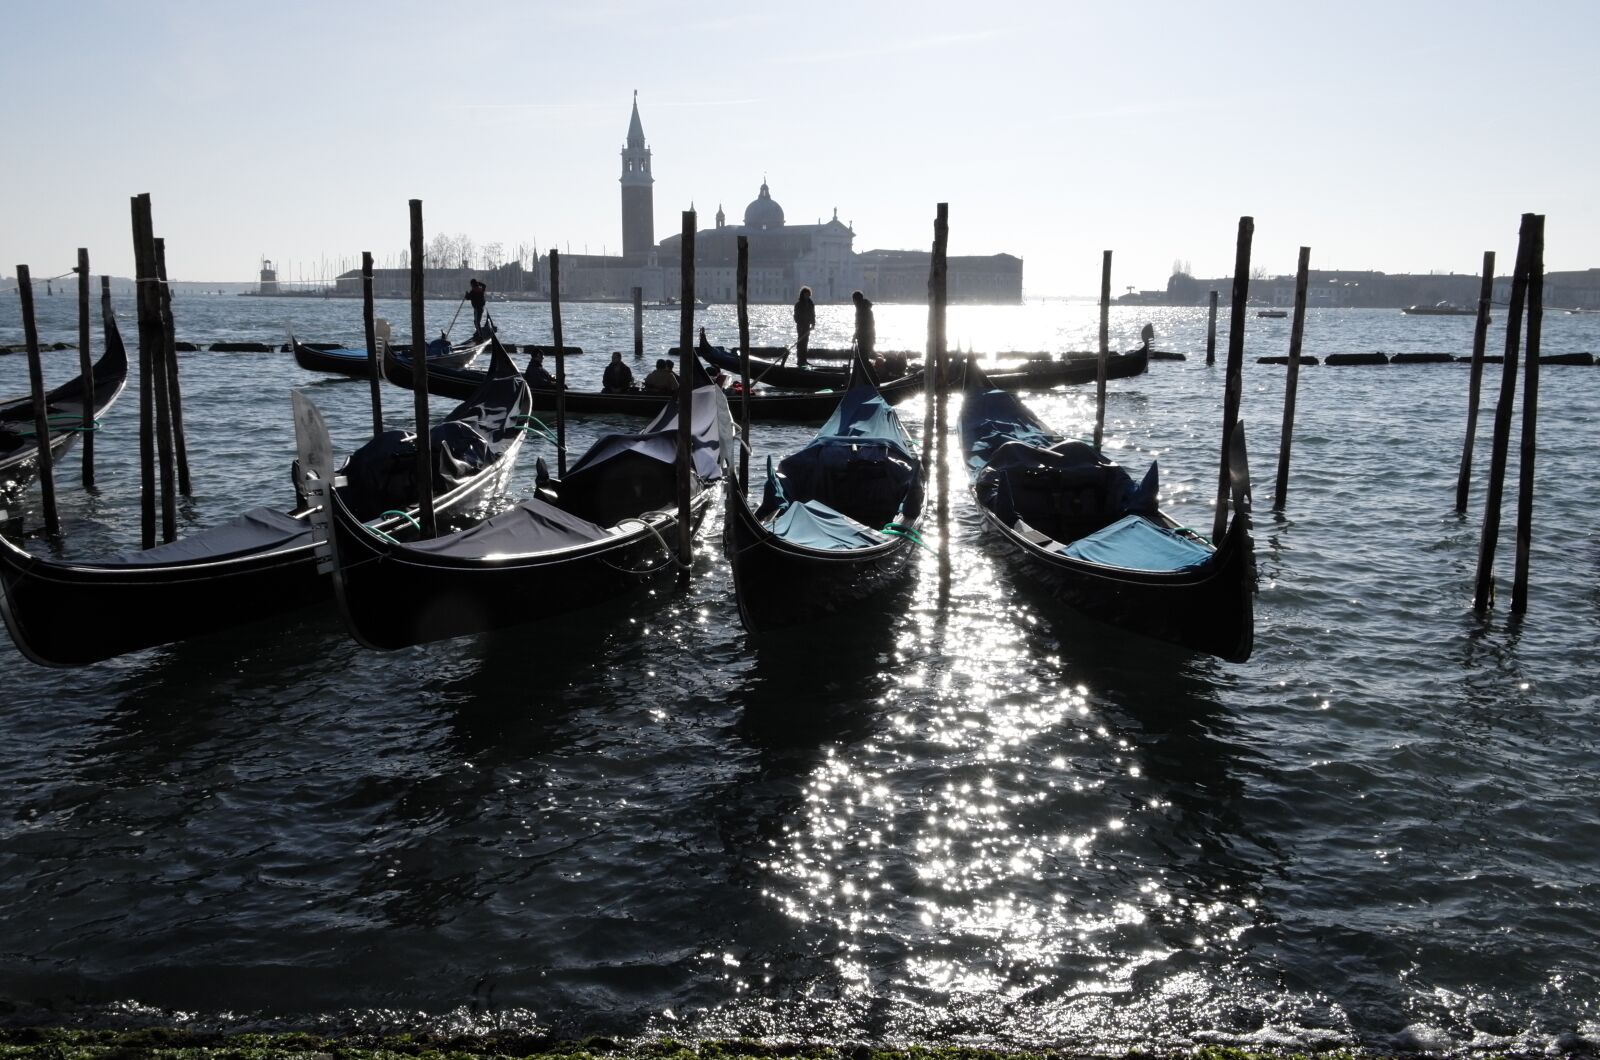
783, 257
1366, 289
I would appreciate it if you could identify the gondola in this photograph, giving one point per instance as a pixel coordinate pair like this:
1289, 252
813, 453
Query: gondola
768, 406
836, 521
19, 446
608, 526
72, 613
353, 362
1033, 374
1094, 539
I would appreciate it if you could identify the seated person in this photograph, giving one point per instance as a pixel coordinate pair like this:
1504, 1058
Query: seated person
618, 378
537, 375
661, 381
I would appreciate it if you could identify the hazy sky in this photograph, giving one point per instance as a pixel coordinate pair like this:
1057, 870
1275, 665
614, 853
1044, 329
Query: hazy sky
1402, 136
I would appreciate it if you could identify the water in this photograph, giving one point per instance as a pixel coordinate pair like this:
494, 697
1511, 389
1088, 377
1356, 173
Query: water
960, 819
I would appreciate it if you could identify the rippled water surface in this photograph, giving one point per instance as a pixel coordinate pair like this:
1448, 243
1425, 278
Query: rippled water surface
961, 817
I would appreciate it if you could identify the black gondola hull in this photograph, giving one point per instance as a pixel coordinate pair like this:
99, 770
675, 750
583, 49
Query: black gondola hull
781, 584
354, 363
392, 597
1046, 372
1208, 610
67, 614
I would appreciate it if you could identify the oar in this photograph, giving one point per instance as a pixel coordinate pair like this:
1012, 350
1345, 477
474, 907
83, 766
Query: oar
455, 314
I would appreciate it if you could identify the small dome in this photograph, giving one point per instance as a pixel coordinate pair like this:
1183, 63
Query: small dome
763, 212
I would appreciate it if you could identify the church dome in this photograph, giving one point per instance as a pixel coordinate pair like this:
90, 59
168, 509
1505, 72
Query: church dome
763, 212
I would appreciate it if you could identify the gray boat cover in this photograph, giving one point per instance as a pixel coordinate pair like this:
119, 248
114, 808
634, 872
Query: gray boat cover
1067, 491
710, 426
381, 477
532, 527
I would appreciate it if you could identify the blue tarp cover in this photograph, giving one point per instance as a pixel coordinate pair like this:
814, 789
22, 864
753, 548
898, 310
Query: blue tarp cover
1136, 543
815, 525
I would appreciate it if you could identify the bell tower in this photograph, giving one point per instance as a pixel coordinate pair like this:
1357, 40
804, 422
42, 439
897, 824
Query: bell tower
638, 209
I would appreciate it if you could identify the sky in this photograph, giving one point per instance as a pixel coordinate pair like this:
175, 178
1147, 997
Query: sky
1404, 136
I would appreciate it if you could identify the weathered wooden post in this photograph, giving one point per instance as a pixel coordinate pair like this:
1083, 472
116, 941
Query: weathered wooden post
1211, 332
561, 363
1292, 381
1105, 350
150, 342
937, 292
419, 373
374, 354
685, 392
41, 418
1530, 416
163, 400
1483, 591
85, 368
742, 279
1480, 336
1234, 383
169, 357
638, 321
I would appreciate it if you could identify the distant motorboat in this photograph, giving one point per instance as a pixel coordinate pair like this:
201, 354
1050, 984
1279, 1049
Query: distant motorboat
673, 303
1439, 309
1273, 313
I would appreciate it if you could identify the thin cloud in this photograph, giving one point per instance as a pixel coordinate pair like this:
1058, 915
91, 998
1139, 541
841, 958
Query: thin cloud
918, 44
606, 106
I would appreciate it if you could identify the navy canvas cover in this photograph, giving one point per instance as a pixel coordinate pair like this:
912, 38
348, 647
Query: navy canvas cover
856, 475
257, 531
382, 475
991, 418
1066, 491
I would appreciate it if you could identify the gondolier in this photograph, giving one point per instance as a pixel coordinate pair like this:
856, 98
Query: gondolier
866, 329
476, 293
805, 318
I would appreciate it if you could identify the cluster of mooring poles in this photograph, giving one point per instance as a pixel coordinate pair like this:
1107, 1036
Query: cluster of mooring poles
1527, 292
160, 396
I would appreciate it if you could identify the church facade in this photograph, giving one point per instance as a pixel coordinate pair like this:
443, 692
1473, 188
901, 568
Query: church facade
783, 257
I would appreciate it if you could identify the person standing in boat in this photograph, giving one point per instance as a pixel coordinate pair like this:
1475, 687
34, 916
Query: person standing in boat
866, 329
477, 291
805, 318
618, 378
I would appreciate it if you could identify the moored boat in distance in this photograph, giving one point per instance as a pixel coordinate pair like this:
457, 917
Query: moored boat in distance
1439, 309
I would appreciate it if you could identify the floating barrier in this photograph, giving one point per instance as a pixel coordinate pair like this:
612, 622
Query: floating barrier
1304, 360
1356, 358
1422, 358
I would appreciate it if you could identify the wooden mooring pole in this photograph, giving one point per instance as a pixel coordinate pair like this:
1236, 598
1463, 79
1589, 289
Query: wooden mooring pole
163, 399
169, 357
150, 342
1483, 591
1480, 335
685, 392
1530, 417
742, 287
369, 322
561, 363
41, 417
419, 375
1105, 351
638, 322
937, 298
85, 368
1234, 383
1211, 332
1292, 381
